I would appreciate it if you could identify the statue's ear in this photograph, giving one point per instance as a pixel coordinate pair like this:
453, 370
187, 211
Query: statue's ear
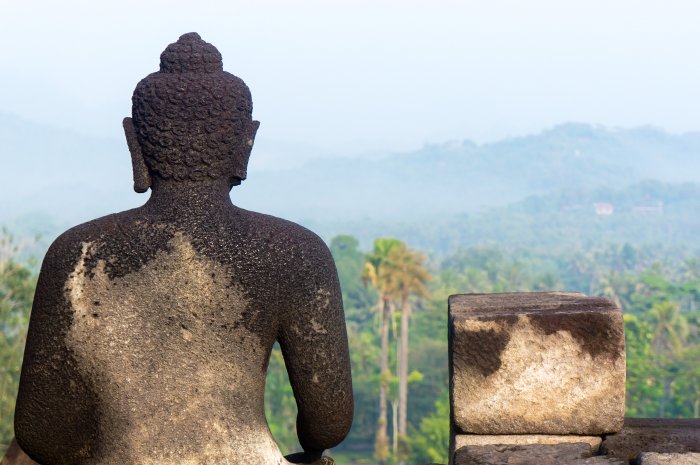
241, 169
251, 135
142, 178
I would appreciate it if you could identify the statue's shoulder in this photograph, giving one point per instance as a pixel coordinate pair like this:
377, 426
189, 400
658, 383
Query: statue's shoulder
285, 235
70, 244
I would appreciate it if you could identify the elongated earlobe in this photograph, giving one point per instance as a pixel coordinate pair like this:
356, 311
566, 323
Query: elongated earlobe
142, 178
250, 137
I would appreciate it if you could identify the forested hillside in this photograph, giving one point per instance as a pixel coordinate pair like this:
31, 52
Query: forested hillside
645, 213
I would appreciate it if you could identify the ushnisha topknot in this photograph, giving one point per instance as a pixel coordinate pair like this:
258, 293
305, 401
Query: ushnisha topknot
193, 120
190, 54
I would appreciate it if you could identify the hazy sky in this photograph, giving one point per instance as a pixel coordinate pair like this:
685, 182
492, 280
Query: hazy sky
353, 76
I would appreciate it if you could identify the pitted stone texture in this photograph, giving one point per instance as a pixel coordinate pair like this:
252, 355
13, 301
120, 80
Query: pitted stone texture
654, 458
524, 454
463, 440
653, 435
536, 363
16, 456
151, 329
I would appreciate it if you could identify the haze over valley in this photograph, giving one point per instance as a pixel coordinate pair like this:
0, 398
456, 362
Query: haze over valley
440, 196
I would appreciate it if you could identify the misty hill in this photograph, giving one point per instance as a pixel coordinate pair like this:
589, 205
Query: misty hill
55, 176
454, 178
68, 176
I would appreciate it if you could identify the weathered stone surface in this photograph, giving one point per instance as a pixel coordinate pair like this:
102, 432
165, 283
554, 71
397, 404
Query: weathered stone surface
16, 456
151, 329
654, 458
540, 454
653, 435
536, 363
599, 460
462, 440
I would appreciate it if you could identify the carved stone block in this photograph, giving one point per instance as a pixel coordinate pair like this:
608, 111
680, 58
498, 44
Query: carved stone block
536, 363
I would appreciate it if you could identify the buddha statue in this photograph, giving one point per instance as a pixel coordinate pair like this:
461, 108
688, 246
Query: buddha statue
151, 329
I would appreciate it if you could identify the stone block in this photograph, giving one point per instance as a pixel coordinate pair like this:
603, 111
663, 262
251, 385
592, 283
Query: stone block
536, 363
664, 436
534, 454
550, 454
654, 458
465, 440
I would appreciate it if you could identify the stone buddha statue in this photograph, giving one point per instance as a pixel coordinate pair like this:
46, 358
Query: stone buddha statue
151, 329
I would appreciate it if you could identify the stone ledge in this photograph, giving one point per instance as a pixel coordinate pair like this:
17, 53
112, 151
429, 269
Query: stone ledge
539, 454
653, 435
463, 440
654, 458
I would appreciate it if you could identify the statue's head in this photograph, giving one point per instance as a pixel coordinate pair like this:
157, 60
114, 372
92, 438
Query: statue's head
192, 121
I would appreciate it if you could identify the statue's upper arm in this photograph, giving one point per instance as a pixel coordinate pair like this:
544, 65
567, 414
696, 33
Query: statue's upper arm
314, 342
55, 398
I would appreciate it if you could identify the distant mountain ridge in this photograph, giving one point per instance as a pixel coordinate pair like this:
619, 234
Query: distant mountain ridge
454, 178
72, 177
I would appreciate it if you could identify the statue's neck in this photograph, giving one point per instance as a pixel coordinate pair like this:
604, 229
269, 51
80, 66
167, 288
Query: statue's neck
188, 198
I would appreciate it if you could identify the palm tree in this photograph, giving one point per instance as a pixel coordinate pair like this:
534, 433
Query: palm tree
406, 276
375, 275
671, 328
615, 286
669, 341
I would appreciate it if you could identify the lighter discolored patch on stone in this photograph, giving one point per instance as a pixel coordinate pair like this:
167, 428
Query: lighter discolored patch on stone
172, 369
463, 440
536, 363
318, 327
